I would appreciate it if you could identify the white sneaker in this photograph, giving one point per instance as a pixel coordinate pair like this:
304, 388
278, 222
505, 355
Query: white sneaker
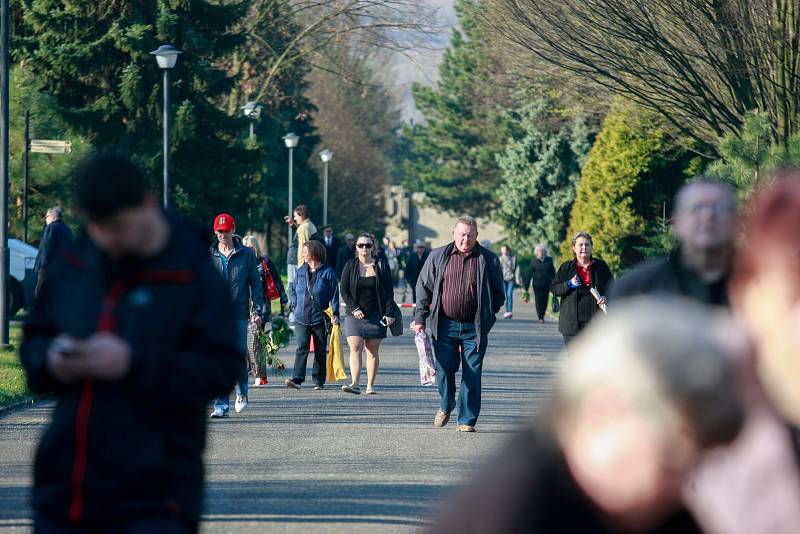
241, 402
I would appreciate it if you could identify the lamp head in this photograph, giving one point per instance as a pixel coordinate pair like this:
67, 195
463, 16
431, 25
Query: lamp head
291, 140
326, 155
252, 110
166, 56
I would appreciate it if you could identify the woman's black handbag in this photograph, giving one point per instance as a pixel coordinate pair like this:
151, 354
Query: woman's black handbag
393, 311
556, 305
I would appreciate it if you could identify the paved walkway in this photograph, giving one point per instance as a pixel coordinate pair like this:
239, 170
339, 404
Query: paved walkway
297, 460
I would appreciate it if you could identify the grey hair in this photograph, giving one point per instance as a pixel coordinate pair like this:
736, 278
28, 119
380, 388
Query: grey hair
467, 220
584, 235
541, 246
670, 356
55, 211
252, 242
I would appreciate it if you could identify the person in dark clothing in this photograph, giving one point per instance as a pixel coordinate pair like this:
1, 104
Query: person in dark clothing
313, 290
704, 222
460, 291
414, 264
132, 311
629, 422
346, 253
332, 246
542, 272
368, 293
57, 237
239, 267
573, 284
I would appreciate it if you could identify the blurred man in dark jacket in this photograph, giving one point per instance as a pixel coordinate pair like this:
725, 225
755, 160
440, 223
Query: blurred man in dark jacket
346, 253
56, 238
332, 245
414, 264
126, 317
542, 273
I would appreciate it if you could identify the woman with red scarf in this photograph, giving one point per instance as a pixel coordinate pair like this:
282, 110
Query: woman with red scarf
574, 282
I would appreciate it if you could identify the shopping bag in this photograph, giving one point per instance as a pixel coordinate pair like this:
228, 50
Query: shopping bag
427, 368
335, 363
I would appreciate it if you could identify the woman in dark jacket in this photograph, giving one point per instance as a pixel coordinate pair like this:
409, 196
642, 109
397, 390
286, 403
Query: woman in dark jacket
573, 284
367, 291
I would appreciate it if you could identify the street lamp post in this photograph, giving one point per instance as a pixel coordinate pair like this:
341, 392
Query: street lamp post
166, 57
291, 140
326, 156
252, 110
4, 124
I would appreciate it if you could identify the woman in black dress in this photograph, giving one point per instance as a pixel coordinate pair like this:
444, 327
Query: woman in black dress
367, 290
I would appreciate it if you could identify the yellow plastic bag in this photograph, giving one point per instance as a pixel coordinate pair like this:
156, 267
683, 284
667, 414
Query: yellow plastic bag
335, 364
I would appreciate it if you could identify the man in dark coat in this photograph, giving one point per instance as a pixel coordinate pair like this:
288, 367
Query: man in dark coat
346, 253
133, 332
414, 264
542, 273
704, 222
460, 290
332, 246
56, 238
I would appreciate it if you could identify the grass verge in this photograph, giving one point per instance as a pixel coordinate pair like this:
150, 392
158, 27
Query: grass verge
13, 386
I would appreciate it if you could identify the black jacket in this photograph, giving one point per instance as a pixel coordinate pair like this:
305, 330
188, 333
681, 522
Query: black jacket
344, 255
670, 277
414, 266
491, 294
578, 306
243, 279
56, 238
348, 286
143, 435
542, 272
332, 252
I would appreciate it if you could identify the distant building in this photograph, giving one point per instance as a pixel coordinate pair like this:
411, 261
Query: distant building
411, 216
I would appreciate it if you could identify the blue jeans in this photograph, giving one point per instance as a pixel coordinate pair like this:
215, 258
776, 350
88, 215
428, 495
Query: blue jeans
223, 403
451, 336
509, 286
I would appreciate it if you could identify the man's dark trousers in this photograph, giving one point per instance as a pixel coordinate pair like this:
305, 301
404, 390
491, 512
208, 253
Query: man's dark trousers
540, 296
451, 335
303, 333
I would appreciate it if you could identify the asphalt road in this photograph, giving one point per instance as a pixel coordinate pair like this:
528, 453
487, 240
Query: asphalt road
294, 461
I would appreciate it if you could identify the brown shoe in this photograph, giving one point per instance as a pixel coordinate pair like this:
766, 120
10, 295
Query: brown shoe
466, 428
441, 419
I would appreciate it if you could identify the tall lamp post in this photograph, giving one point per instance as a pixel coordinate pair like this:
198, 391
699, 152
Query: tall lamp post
326, 156
291, 140
252, 110
166, 57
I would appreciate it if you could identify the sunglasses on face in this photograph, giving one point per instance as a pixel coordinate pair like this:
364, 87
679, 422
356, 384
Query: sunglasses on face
364, 245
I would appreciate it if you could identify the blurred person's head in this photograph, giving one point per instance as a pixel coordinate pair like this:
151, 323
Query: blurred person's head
52, 215
123, 217
505, 250
419, 246
582, 247
540, 251
327, 231
224, 227
644, 391
251, 242
301, 213
465, 234
765, 289
313, 252
350, 239
365, 248
704, 217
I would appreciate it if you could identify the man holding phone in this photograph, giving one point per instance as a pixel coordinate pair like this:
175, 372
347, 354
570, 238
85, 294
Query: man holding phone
126, 317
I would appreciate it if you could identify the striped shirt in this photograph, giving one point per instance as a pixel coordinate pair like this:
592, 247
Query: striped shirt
460, 286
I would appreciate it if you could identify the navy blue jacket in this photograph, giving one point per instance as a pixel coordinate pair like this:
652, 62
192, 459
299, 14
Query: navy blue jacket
56, 238
325, 290
243, 279
140, 439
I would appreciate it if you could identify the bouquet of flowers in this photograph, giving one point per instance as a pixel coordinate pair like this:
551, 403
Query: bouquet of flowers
273, 339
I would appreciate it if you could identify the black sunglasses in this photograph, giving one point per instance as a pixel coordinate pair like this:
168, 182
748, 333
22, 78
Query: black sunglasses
364, 245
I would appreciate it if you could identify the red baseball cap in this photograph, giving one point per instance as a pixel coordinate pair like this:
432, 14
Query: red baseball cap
224, 223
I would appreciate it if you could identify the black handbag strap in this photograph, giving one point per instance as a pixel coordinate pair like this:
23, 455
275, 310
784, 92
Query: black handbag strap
315, 303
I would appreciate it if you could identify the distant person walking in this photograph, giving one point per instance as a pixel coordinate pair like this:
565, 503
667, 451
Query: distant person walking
392, 258
414, 266
313, 290
460, 289
332, 245
239, 267
132, 334
56, 238
367, 291
542, 273
346, 253
511, 278
573, 284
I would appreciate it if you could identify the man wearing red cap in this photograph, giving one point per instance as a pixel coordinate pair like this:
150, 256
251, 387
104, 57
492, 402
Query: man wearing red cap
239, 266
